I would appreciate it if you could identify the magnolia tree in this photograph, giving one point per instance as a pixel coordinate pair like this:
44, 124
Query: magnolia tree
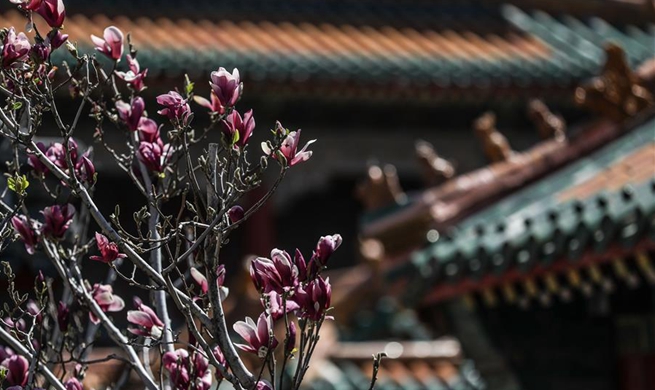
48, 329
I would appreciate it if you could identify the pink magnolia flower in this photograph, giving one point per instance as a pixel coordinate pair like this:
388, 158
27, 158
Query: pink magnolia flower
201, 280
53, 12
275, 305
220, 357
15, 49
289, 149
214, 105
28, 229
108, 250
227, 87
17, 370
131, 113
148, 130
40, 51
57, 153
73, 384
325, 248
187, 371
31, 5
154, 155
279, 273
263, 385
258, 337
202, 375
57, 220
314, 299
85, 170
112, 44
238, 130
178, 366
104, 296
56, 38
145, 317
176, 107
134, 76
34, 310
34, 161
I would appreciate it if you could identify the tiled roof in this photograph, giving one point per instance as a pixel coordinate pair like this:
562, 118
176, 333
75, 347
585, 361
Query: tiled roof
422, 365
419, 49
601, 202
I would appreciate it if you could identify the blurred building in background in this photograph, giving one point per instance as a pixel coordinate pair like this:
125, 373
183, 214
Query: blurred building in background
504, 242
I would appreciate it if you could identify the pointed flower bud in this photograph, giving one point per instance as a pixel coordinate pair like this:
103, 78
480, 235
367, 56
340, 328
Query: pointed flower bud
235, 213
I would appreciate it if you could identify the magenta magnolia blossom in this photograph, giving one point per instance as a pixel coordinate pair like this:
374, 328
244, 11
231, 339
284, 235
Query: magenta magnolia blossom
289, 149
148, 130
57, 220
104, 296
73, 384
220, 357
31, 5
85, 170
53, 12
238, 130
34, 161
28, 229
279, 273
325, 248
57, 153
258, 337
201, 280
15, 49
108, 250
17, 370
134, 76
176, 107
227, 87
145, 317
40, 51
187, 372
276, 307
214, 105
112, 44
131, 113
314, 299
154, 155
56, 38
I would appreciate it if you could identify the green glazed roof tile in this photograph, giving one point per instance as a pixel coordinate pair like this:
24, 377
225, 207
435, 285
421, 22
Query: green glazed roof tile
533, 225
